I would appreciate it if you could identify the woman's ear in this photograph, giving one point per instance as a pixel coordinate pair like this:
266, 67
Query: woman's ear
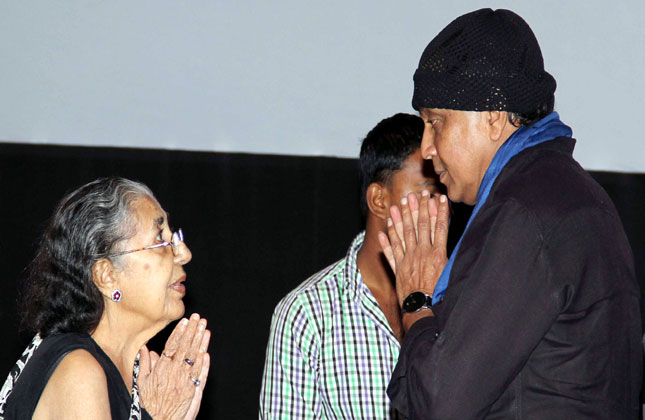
378, 200
103, 276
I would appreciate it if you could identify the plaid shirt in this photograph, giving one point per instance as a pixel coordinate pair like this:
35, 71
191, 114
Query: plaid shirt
331, 350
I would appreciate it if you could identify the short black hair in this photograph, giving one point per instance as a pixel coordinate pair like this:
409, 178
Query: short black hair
527, 119
386, 147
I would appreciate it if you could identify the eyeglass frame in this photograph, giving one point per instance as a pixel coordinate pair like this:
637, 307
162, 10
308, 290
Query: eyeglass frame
177, 238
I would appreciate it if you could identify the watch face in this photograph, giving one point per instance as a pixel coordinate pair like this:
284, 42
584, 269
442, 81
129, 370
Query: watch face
414, 302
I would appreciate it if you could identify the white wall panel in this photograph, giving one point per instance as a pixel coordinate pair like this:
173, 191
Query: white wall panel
288, 77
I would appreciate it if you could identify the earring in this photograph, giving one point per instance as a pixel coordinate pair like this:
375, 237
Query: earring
116, 295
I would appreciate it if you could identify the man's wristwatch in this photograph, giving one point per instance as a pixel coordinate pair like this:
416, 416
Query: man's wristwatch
415, 301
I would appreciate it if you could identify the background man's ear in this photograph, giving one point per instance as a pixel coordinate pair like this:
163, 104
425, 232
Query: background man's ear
103, 276
378, 200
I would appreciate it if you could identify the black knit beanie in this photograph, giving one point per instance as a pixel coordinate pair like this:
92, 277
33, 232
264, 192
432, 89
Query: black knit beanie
484, 60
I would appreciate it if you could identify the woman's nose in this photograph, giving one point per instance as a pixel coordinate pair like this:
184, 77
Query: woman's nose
182, 254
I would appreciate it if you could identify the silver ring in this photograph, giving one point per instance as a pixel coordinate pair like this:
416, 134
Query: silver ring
189, 362
196, 381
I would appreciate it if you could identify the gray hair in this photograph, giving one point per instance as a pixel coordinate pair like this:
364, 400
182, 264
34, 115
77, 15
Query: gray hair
119, 222
88, 224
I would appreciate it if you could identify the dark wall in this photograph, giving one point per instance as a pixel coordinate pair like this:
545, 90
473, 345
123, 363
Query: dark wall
628, 194
257, 227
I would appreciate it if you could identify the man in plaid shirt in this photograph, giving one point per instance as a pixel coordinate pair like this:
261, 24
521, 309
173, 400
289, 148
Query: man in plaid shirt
335, 339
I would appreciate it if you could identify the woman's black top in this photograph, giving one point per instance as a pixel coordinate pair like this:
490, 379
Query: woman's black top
26, 392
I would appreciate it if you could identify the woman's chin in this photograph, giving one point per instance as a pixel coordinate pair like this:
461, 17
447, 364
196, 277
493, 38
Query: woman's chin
177, 310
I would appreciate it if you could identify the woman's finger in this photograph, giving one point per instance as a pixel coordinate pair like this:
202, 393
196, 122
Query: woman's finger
199, 374
154, 358
204, 368
172, 344
196, 369
387, 250
206, 338
197, 340
206, 364
145, 365
193, 352
187, 339
197, 396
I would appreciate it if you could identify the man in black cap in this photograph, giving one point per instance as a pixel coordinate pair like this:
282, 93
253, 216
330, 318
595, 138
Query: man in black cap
536, 313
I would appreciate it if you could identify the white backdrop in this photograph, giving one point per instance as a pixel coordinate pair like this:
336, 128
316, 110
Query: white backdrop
289, 77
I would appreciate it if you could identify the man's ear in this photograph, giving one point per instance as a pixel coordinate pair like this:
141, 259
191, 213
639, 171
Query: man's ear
378, 200
497, 124
103, 276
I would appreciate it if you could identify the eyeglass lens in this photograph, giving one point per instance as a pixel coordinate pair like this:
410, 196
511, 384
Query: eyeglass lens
177, 237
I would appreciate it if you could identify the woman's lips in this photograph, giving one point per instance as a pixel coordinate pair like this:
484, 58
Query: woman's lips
179, 285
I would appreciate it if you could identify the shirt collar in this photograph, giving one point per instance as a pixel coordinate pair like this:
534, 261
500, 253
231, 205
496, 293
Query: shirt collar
353, 280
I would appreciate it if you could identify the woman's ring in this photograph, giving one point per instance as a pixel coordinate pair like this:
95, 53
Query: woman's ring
189, 362
196, 381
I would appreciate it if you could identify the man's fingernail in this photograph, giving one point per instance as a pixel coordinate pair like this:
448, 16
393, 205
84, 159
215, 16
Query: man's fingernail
404, 201
184, 321
425, 193
442, 198
389, 221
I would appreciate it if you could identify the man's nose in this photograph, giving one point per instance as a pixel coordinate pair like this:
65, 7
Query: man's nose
428, 150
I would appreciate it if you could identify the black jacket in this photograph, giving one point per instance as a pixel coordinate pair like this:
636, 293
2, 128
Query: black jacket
541, 318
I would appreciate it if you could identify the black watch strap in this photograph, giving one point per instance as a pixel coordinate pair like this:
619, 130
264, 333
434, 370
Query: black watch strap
415, 301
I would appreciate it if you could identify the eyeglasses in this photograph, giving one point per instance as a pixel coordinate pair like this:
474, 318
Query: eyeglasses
177, 238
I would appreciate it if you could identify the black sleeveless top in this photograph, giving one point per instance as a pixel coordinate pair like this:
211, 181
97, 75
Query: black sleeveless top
26, 392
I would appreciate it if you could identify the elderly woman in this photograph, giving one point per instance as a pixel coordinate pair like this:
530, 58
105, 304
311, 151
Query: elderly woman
107, 277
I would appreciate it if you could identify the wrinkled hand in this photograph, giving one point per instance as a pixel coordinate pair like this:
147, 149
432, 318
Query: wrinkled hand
166, 389
415, 246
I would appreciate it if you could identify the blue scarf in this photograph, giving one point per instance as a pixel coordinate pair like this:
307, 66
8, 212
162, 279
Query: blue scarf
548, 128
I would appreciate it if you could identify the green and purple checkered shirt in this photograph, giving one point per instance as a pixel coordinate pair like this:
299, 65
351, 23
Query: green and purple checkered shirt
331, 350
